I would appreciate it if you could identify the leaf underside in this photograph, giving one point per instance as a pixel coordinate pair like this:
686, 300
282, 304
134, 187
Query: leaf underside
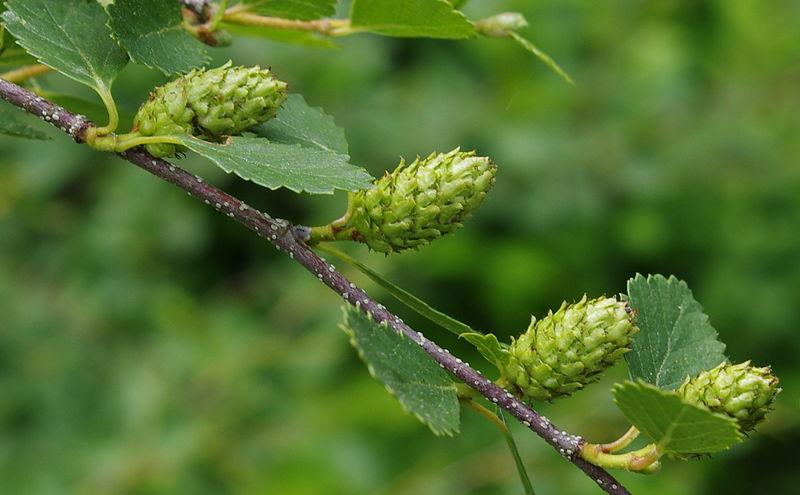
152, 33
675, 338
298, 123
676, 426
69, 36
410, 18
407, 371
275, 165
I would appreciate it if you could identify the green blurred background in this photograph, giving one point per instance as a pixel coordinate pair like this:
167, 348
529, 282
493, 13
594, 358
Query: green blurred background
149, 345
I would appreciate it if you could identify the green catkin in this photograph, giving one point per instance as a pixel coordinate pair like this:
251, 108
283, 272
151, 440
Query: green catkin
568, 349
740, 391
422, 201
209, 104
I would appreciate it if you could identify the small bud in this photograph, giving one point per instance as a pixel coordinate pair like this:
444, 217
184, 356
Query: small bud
420, 202
210, 104
740, 391
500, 25
219, 38
566, 350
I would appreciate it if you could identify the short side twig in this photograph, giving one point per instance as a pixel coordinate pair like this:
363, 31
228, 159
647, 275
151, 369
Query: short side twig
330, 27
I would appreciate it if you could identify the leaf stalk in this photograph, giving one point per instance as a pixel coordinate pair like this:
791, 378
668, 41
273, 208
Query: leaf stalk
644, 460
512, 446
111, 108
118, 143
622, 442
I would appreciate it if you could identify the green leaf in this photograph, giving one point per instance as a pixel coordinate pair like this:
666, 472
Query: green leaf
11, 126
410, 18
304, 38
69, 36
275, 165
298, 123
489, 347
11, 54
677, 427
152, 33
304, 10
675, 338
447, 322
526, 44
406, 370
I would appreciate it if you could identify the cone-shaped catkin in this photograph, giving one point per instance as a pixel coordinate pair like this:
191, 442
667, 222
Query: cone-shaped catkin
420, 202
568, 349
741, 391
210, 104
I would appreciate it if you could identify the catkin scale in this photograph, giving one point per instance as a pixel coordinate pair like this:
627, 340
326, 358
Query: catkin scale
209, 104
740, 391
568, 349
422, 201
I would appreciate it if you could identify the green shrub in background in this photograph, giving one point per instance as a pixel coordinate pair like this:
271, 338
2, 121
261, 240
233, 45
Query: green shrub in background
147, 345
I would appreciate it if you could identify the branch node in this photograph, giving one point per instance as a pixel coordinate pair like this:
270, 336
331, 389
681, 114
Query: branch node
301, 233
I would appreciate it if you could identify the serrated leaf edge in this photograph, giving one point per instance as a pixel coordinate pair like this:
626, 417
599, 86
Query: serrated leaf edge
323, 115
728, 419
670, 281
344, 327
274, 188
206, 57
101, 87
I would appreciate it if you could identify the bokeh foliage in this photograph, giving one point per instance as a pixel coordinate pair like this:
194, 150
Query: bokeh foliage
150, 345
